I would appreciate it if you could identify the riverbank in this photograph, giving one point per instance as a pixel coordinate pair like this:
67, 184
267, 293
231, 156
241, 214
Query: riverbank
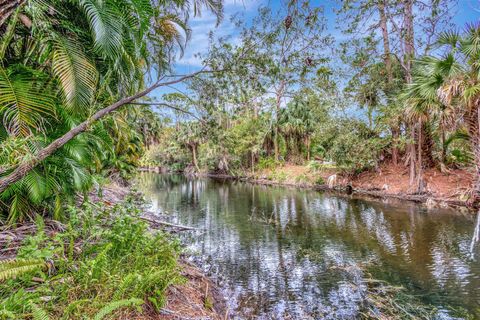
443, 189
108, 260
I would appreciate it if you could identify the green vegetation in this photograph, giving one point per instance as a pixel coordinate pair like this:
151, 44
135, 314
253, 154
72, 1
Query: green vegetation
104, 261
62, 63
405, 98
399, 88
79, 106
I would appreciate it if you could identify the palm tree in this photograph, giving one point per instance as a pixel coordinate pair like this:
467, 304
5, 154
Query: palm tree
462, 87
296, 125
61, 62
450, 85
423, 105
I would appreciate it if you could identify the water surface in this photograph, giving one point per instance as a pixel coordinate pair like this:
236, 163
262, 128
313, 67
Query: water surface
291, 253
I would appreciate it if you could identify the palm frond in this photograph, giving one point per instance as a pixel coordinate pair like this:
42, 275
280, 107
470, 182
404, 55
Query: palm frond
23, 101
77, 76
449, 38
106, 26
16, 267
38, 313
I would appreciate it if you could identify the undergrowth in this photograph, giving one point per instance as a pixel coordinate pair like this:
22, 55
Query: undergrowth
105, 261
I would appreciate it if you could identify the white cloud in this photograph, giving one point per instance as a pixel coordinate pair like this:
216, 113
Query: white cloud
202, 26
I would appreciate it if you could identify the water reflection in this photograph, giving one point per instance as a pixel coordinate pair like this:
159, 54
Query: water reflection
296, 252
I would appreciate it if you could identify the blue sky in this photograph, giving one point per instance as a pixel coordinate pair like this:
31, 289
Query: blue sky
467, 11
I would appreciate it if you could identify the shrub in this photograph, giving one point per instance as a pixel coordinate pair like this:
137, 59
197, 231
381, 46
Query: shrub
267, 163
106, 260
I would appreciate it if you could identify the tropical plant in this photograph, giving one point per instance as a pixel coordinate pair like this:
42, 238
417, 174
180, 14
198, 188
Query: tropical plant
120, 266
61, 63
448, 88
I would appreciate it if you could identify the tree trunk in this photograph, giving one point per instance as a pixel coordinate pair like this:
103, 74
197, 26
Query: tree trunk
194, 156
444, 148
474, 128
420, 183
388, 66
395, 135
278, 101
26, 166
477, 156
409, 45
412, 153
386, 41
427, 146
307, 145
252, 159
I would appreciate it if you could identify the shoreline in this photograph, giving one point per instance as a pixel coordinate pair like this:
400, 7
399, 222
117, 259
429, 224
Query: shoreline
429, 200
199, 297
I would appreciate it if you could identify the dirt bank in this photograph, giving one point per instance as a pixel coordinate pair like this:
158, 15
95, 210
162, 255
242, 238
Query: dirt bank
442, 188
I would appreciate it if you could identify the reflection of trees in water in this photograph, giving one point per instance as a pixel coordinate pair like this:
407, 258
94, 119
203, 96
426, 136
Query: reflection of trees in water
475, 237
424, 251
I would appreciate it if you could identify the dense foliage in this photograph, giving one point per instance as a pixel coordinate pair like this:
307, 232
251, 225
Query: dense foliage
60, 62
104, 261
402, 89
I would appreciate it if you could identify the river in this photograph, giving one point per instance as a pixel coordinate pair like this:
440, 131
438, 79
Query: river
286, 253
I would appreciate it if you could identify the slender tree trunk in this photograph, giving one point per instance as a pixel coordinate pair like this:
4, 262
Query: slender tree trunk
252, 159
409, 45
420, 182
194, 156
475, 138
386, 41
395, 135
444, 148
307, 145
388, 66
412, 152
427, 146
276, 137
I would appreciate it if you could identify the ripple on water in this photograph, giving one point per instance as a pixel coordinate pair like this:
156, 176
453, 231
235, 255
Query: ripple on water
300, 254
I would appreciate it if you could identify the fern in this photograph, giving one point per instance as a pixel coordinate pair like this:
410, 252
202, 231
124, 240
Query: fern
127, 282
115, 305
16, 267
38, 313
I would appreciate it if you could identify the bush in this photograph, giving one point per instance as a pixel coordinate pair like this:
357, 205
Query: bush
105, 260
353, 150
267, 163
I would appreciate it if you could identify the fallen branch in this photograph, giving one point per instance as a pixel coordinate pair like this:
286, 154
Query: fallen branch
168, 224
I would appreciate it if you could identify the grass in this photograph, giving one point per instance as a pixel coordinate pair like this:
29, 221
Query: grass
106, 261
